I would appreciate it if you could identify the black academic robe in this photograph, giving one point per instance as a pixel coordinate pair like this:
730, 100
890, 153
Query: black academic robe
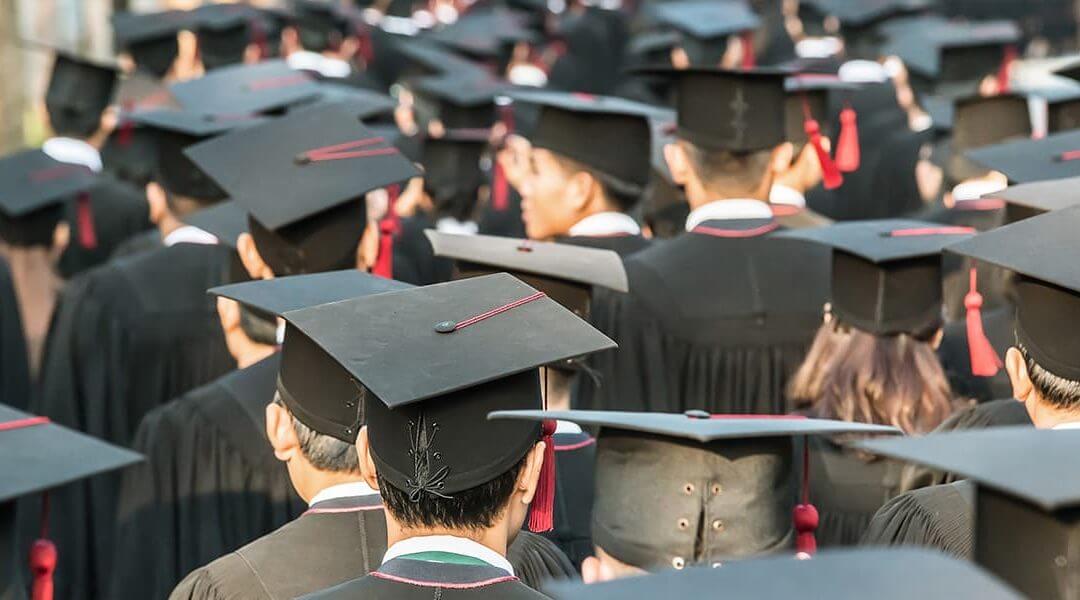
15, 388
998, 324
139, 243
503, 221
622, 244
939, 517
408, 579
332, 542
716, 319
575, 460
847, 489
119, 211
125, 338
13, 565
414, 259
209, 485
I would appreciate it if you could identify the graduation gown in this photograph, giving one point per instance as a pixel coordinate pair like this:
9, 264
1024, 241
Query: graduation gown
119, 212
939, 517
329, 544
125, 338
414, 259
505, 222
622, 244
847, 490
575, 460
717, 319
998, 324
409, 579
15, 386
209, 473
12, 562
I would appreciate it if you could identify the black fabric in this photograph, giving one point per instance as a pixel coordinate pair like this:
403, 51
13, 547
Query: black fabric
326, 241
623, 245
13, 574
505, 222
696, 332
537, 561
575, 455
15, 386
119, 210
726, 110
955, 356
79, 90
125, 338
939, 517
847, 489
414, 260
594, 39
210, 473
422, 580
1041, 310
313, 552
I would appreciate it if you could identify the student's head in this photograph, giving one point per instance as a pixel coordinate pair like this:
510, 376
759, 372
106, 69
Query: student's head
1049, 398
708, 174
304, 450
43, 228
326, 241
78, 94
590, 154
178, 188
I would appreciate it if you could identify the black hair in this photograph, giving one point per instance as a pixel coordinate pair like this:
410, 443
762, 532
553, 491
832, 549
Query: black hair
742, 171
1060, 392
324, 452
622, 196
473, 509
33, 229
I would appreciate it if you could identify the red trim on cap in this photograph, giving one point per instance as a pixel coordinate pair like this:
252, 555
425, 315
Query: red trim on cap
926, 231
23, 423
452, 586
575, 446
1068, 155
498, 310
346, 150
736, 233
980, 204
57, 172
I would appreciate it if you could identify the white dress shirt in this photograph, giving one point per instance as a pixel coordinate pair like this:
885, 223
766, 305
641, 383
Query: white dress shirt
452, 225
325, 66
73, 151
788, 196
189, 235
1073, 425
451, 544
604, 224
728, 210
343, 490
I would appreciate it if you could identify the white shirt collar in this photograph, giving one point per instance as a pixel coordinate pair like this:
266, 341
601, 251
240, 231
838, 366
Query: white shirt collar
343, 490
788, 196
190, 235
448, 543
606, 223
567, 427
975, 190
1073, 425
452, 225
728, 210
73, 151
302, 60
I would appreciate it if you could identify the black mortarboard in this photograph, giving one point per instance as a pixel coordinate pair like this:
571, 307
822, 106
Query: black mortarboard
225, 220
365, 104
1062, 107
79, 91
460, 101
224, 32
1040, 251
302, 178
319, 24
652, 48
452, 172
982, 121
864, 13
843, 574
39, 455
1027, 496
1032, 199
1052, 157
886, 275
487, 34
33, 189
246, 89
424, 59
608, 134
284, 294
150, 38
565, 272
737, 111
673, 490
705, 26
432, 362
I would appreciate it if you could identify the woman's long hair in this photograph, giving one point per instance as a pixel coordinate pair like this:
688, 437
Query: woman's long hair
855, 376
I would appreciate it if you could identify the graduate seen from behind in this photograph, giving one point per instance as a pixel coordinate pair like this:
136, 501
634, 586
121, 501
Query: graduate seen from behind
453, 503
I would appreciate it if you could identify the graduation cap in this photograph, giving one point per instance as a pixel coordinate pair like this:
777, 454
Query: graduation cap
459, 101
36, 456
33, 190
848, 574
319, 24
807, 109
886, 275
246, 89
980, 121
673, 490
1026, 497
705, 26
565, 272
859, 20
1047, 286
737, 111
432, 362
79, 91
488, 35
653, 48
1062, 107
452, 171
1032, 199
608, 134
302, 178
224, 32
225, 220
150, 38
1052, 157
366, 104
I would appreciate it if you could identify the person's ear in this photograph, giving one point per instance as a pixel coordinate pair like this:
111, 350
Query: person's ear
155, 197
590, 570
678, 163
935, 340
229, 313
280, 431
367, 463
251, 259
290, 41
529, 477
1018, 375
679, 58
579, 190
61, 238
781, 158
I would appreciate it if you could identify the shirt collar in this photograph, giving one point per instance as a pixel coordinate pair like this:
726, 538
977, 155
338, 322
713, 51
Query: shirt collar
452, 225
190, 235
1072, 425
738, 208
606, 223
448, 543
73, 151
343, 490
325, 66
788, 196
567, 427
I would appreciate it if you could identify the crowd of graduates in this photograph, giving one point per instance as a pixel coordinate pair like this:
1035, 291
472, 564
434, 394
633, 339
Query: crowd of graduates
527, 298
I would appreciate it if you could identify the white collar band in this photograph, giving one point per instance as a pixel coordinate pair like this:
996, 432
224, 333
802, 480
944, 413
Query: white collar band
606, 223
448, 543
726, 210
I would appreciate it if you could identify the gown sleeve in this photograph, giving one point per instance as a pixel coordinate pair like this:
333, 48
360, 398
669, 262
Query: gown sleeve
537, 560
937, 517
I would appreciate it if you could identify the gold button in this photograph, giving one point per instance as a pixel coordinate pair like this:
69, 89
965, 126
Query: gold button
688, 489
718, 525
684, 523
678, 562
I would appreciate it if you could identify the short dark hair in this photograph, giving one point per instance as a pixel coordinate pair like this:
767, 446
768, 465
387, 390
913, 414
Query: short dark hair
741, 171
623, 196
474, 509
324, 452
1060, 392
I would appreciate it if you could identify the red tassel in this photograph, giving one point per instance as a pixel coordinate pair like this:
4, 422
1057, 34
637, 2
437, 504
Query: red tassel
1005, 69
847, 146
984, 360
127, 126
830, 174
84, 219
388, 228
541, 515
749, 60
805, 515
43, 557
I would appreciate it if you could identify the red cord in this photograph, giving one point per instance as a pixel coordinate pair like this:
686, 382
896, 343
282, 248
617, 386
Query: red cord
921, 231
21, 423
498, 311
